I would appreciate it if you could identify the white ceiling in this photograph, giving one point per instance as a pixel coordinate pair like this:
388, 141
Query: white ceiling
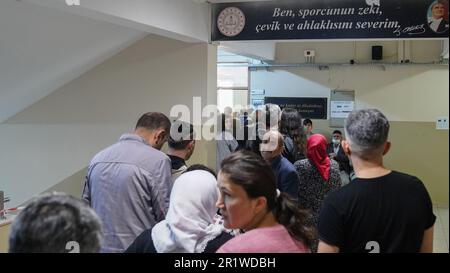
42, 49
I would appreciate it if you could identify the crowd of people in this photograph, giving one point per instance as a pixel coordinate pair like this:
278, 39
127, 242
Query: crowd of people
277, 187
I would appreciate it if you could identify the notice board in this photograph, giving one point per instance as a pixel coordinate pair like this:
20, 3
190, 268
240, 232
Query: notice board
342, 102
312, 108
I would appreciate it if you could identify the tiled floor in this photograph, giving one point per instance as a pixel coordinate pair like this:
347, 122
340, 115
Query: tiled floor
440, 243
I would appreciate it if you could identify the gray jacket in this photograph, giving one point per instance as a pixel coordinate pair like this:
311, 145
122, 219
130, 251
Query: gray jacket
128, 185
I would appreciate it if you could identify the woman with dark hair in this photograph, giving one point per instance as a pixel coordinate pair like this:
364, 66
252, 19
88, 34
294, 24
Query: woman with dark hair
249, 200
200, 167
294, 136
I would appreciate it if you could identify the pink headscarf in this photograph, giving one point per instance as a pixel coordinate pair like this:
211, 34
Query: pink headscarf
317, 153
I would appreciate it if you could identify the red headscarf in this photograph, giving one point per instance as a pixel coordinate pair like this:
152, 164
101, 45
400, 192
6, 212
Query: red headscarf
317, 154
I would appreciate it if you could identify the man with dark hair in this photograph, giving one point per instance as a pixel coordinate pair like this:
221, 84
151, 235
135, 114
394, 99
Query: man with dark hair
336, 152
181, 144
128, 184
153, 127
55, 223
381, 210
307, 123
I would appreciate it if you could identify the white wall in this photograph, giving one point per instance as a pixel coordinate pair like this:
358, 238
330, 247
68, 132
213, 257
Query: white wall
183, 20
422, 92
42, 49
56, 137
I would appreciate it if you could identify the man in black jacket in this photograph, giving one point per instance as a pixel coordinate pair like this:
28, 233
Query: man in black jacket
334, 149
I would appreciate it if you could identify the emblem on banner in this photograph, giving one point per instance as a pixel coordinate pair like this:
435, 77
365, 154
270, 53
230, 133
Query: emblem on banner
231, 21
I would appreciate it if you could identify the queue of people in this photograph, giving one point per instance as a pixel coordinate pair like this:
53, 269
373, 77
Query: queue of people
281, 188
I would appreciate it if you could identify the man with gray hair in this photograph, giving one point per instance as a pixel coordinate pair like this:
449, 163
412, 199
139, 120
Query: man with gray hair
55, 223
380, 210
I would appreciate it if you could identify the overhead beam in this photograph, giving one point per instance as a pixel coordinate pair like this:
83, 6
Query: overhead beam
263, 50
177, 19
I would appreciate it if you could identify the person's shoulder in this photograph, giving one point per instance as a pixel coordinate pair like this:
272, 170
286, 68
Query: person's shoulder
215, 243
399, 176
143, 243
101, 155
334, 163
287, 165
406, 180
344, 194
302, 163
236, 244
251, 241
157, 155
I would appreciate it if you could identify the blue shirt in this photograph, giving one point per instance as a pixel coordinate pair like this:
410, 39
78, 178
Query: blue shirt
128, 185
287, 177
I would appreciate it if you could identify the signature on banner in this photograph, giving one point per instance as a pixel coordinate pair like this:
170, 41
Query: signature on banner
410, 30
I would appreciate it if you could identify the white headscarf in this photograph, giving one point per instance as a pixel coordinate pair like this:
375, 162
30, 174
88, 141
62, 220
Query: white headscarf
189, 223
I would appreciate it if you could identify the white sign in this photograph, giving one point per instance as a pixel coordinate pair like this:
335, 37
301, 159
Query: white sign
341, 109
258, 92
442, 123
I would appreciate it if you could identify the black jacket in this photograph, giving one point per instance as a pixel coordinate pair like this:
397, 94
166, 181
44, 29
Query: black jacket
341, 158
144, 243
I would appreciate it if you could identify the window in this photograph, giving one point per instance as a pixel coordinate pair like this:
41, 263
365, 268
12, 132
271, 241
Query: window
232, 85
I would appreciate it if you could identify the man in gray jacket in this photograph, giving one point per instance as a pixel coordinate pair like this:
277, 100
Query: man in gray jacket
128, 184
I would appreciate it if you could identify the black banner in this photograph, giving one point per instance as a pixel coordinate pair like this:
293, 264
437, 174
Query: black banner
312, 108
330, 19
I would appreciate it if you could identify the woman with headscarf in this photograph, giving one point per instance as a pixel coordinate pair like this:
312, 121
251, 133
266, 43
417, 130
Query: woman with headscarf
318, 176
189, 226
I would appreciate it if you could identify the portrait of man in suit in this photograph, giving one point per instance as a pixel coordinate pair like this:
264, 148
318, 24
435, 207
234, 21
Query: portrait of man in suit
438, 16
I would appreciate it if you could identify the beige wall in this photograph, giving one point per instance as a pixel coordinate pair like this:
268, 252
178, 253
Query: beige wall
54, 139
412, 97
4, 234
73, 184
421, 150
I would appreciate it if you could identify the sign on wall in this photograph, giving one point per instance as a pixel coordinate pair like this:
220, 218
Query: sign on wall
330, 19
341, 109
312, 108
342, 103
